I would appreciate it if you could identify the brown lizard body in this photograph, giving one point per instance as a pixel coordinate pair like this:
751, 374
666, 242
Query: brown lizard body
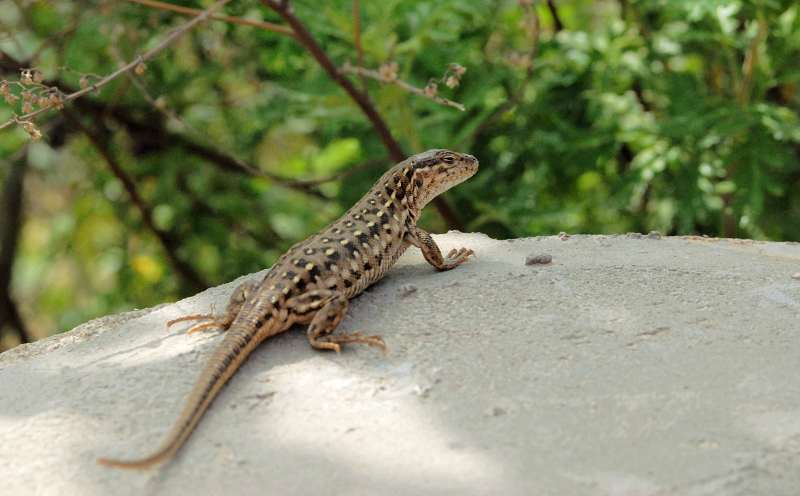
313, 281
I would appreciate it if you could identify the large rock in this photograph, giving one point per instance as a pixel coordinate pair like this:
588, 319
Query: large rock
630, 365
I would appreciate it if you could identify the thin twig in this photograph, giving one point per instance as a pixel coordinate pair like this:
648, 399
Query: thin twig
743, 94
558, 25
367, 164
151, 129
229, 162
750, 62
219, 157
14, 319
100, 142
11, 219
268, 26
10, 226
372, 74
198, 205
171, 38
305, 38
357, 40
533, 25
265, 235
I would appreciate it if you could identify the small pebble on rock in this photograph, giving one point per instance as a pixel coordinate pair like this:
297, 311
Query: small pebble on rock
654, 235
538, 259
796, 275
497, 411
563, 236
407, 289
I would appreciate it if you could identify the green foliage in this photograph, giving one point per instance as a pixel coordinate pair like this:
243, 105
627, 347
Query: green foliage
679, 116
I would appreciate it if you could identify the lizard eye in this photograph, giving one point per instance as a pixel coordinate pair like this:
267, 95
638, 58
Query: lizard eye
448, 159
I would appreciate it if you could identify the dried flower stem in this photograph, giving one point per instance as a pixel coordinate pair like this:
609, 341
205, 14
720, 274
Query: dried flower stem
138, 61
372, 74
268, 26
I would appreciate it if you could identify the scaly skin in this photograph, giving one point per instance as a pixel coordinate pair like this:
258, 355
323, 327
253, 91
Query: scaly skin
312, 282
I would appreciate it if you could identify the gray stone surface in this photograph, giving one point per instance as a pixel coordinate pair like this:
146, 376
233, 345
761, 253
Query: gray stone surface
627, 366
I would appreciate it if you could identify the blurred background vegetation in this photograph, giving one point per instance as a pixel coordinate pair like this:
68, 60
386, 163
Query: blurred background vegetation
234, 142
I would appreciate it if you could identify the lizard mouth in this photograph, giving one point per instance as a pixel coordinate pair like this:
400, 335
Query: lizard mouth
468, 168
454, 175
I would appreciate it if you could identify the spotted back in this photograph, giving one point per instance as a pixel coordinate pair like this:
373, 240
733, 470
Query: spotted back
359, 247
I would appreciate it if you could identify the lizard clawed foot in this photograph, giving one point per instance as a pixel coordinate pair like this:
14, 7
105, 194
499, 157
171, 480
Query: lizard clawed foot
334, 342
199, 327
208, 325
457, 256
196, 316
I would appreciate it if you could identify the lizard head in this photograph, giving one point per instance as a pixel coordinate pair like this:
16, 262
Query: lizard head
436, 171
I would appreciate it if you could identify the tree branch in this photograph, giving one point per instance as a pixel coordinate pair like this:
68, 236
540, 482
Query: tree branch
228, 162
168, 242
265, 235
144, 131
304, 37
268, 26
557, 24
340, 176
10, 225
357, 40
533, 25
152, 131
750, 61
167, 41
376, 75
9, 307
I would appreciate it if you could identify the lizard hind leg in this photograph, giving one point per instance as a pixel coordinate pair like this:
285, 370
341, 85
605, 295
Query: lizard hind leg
219, 322
223, 321
330, 309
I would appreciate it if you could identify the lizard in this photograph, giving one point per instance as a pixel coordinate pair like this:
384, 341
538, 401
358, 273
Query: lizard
312, 283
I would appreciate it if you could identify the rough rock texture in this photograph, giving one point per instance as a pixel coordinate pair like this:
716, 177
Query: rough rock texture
629, 365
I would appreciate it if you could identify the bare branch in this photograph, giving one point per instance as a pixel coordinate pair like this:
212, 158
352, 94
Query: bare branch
10, 313
305, 38
357, 40
137, 62
367, 164
10, 226
423, 92
214, 154
149, 129
11, 220
750, 61
168, 242
268, 26
558, 25
265, 235
533, 26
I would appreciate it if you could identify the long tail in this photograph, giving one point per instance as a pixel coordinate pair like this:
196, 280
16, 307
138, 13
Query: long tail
229, 356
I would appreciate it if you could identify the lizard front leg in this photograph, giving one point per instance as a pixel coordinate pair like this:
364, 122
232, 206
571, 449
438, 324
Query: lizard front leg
330, 308
432, 253
223, 321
